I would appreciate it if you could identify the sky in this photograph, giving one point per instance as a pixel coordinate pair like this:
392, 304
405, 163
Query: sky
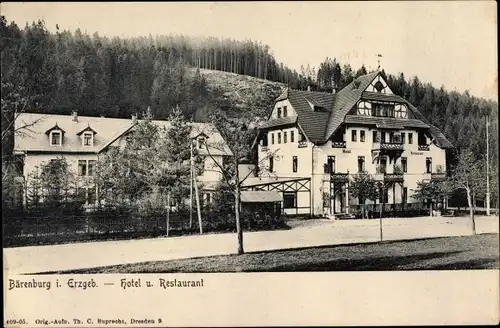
451, 43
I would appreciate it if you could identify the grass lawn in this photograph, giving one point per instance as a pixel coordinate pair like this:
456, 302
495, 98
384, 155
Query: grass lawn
448, 253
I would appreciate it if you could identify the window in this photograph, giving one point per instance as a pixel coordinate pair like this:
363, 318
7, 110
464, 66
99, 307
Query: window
289, 199
410, 138
285, 111
292, 137
86, 167
201, 142
379, 86
364, 108
87, 139
55, 138
362, 135
271, 164
82, 168
91, 168
375, 136
382, 137
401, 111
208, 198
404, 164
354, 135
278, 112
272, 138
383, 110
405, 195
284, 137
264, 140
385, 195
361, 164
391, 137
428, 165
279, 137
403, 138
295, 163
91, 195
330, 165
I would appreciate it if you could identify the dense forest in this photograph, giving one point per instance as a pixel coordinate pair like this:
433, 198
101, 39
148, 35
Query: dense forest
116, 77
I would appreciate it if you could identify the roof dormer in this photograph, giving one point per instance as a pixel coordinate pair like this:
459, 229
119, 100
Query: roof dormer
56, 135
87, 136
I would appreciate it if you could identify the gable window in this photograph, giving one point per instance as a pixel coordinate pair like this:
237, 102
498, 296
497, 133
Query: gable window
278, 112
292, 137
354, 135
56, 138
295, 163
284, 137
201, 142
361, 164
271, 164
362, 135
428, 165
404, 164
410, 138
279, 137
285, 111
272, 138
88, 139
379, 86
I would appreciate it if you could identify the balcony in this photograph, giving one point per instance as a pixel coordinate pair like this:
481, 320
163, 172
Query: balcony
388, 146
393, 177
302, 144
423, 147
339, 177
338, 144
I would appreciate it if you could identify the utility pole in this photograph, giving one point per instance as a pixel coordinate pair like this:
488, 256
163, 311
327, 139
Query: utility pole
191, 189
487, 167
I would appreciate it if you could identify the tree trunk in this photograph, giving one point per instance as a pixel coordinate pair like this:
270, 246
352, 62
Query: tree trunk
469, 201
237, 202
167, 223
430, 209
380, 228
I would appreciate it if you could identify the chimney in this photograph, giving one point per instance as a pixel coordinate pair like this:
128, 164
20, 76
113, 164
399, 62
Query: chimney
309, 88
75, 116
134, 118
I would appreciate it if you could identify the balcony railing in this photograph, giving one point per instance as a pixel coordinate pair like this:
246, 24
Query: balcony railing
388, 145
423, 147
264, 148
339, 177
302, 144
394, 177
338, 144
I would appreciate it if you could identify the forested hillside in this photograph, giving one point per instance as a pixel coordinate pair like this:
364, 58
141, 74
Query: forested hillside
116, 77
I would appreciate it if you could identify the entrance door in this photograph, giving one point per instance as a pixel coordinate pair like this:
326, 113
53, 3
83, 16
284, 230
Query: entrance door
337, 199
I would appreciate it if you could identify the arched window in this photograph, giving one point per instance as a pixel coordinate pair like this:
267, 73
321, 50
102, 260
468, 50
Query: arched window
364, 108
401, 111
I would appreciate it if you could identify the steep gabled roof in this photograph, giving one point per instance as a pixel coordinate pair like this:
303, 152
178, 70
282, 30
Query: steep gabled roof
109, 130
87, 129
439, 137
345, 99
312, 122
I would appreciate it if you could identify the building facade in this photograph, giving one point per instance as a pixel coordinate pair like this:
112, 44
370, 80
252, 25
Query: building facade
329, 137
81, 140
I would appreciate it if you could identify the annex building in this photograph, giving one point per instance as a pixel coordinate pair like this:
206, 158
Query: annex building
81, 140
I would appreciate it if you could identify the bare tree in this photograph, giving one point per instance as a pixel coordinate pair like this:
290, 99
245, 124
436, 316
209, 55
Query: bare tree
466, 175
237, 146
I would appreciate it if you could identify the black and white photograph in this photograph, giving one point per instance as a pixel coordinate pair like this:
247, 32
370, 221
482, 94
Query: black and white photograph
186, 139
